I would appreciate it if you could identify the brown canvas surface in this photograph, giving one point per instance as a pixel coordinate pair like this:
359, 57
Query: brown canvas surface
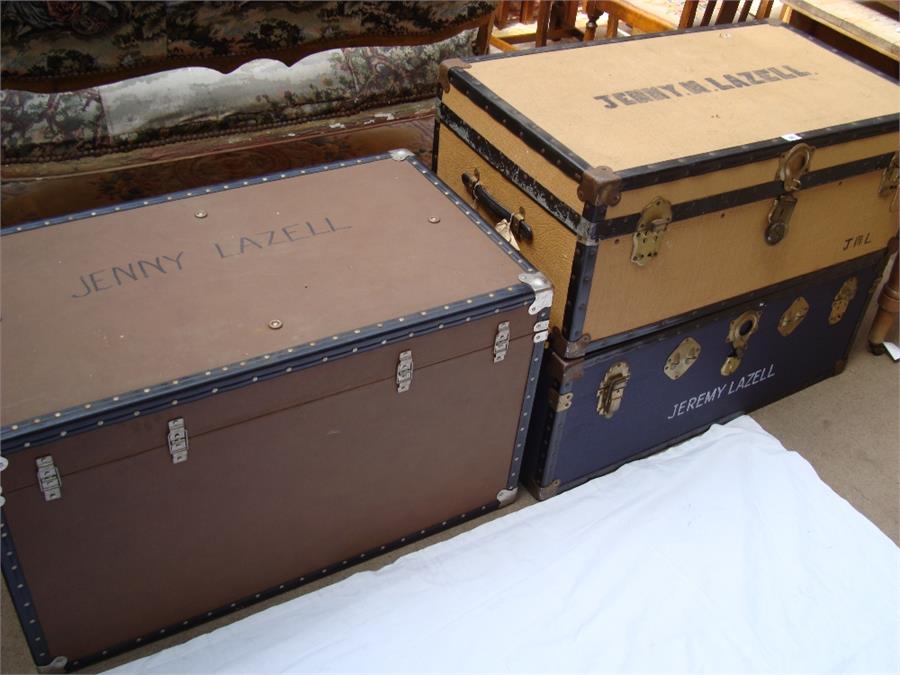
801, 87
288, 491
172, 294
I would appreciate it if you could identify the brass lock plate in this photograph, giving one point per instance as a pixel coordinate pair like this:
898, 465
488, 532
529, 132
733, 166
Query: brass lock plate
793, 316
780, 218
609, 395
842, 299
793, 166
743, 327
654, 220
684, 356
739, 332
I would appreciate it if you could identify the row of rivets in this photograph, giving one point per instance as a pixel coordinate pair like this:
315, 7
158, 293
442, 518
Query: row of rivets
209, 373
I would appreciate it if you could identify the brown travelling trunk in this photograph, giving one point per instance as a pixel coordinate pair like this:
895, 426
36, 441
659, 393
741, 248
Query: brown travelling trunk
667, 176
220, 394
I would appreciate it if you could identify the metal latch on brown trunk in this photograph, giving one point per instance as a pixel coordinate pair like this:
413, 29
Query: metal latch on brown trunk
48, 478
501, 342
178, 440
609, 395
651, 227
739, 333
404, 371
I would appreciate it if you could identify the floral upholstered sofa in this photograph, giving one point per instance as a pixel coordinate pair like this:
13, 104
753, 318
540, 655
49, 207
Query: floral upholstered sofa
104, 102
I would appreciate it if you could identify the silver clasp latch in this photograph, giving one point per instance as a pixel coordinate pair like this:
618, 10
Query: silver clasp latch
178, 440
501, 342
404, 371
48, 478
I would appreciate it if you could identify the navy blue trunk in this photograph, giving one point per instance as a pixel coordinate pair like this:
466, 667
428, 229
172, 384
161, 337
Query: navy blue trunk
593, 414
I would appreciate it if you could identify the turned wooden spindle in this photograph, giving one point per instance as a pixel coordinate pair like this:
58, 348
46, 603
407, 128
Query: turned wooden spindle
593, 11
888, 309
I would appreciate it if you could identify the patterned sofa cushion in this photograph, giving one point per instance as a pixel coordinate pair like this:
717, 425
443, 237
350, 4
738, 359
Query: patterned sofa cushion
42, 43
192, 103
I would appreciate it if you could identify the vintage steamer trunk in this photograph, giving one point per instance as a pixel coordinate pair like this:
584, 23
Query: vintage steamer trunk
217, 395
595, 413
659, 178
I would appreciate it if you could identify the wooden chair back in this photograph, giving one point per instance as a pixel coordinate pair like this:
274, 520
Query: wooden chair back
730, 11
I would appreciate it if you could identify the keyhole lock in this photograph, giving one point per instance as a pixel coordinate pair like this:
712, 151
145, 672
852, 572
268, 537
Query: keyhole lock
739, 333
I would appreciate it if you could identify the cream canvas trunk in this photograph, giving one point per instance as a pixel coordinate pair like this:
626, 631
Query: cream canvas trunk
659, 178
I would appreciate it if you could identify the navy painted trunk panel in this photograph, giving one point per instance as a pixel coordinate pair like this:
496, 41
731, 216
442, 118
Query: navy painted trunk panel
577, 443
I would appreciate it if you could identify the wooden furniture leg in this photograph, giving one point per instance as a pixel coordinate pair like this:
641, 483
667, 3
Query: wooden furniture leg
593, 11
527, 12
483, 36
888, 309
501, 14
543, 23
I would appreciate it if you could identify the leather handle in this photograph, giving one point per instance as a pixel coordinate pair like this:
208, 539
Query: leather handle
517, 224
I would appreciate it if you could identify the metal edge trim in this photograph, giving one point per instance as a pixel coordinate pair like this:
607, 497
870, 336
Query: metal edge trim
187, 194
543, 443
287, 585
580, 283
545, 198
169, 395
531, 134
686, 322
724, 158
21, 597
52, 425
683, 167
471, 214
622, 225
516, 467
435, 142
551, 445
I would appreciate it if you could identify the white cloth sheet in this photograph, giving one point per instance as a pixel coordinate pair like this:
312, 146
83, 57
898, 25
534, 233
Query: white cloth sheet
724, 554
